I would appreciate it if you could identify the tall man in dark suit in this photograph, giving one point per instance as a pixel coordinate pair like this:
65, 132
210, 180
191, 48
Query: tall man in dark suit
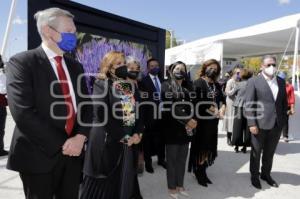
153, 139
266, 112
46, 96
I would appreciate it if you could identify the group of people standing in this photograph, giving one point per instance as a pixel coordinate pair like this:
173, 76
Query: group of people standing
235, 122
62, 131
167, 122
257, 115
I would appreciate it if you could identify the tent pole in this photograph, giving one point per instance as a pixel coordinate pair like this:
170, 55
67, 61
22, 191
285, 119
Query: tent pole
295, 61
8, 26
221, 60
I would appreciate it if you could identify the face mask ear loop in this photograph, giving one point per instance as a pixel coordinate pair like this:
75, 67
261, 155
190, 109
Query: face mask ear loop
55, 31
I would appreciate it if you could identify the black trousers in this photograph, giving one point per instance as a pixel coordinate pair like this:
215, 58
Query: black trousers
153, 144
3, 115
176, 161
264, 143
61, 183
241, 134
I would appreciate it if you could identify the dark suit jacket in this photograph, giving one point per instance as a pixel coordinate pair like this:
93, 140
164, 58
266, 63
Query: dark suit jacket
271, 112
174, 128
38, 137
148, 91
104, 148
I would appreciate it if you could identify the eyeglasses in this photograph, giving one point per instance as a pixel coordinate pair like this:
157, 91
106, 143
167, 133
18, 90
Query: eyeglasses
274, 65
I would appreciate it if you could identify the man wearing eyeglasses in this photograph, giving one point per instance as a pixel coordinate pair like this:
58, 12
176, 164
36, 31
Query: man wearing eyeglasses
46, 98
266, 108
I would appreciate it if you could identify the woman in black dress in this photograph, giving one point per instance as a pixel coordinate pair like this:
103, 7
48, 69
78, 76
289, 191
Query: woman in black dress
241, 134
177, 90
210, 107
111, 156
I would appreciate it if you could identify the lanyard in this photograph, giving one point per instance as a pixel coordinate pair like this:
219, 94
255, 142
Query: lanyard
211, 91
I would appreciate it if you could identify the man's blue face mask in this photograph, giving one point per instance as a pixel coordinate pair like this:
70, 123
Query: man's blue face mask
68, 41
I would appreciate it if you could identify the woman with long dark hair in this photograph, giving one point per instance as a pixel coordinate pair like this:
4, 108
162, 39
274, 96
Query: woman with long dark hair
210, 107
177, 91
111, 156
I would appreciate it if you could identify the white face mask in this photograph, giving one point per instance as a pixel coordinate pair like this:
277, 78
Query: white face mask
270, 71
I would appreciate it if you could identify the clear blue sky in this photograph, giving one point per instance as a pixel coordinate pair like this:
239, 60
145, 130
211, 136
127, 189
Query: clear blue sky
190, 19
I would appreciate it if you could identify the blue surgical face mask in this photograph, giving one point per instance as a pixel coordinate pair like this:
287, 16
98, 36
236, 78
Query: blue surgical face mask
68, 41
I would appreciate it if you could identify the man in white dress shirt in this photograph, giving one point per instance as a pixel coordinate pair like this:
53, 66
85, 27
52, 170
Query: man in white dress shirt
266, 112
43, 92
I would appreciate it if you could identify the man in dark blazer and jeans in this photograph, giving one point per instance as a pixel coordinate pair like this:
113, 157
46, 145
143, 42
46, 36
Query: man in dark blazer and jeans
266, 112
46, 96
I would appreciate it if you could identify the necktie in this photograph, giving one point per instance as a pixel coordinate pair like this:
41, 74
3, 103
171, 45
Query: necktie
157, 88
156, 85
66, 92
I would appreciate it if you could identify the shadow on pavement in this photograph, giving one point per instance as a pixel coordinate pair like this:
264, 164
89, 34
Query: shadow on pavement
288, 148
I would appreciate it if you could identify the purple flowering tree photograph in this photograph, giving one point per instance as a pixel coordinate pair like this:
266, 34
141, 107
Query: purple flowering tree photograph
92, 48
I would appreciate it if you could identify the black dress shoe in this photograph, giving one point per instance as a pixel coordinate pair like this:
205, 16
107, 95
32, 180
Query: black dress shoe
3, 153
244, 149
163, 164
149, 168
236, 149
256, 183
269, 180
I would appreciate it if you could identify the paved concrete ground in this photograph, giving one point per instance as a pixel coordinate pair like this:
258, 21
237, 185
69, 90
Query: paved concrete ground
229, 175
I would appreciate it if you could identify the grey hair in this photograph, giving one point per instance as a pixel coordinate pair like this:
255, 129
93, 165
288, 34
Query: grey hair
49, 17
132, 60
268, 57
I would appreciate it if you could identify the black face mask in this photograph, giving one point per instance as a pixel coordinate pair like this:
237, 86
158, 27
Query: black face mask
211, 73
179, 75
121, 72
154, 71
133, 74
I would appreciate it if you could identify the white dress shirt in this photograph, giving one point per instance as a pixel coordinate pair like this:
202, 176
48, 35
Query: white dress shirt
153, 80
51, 55
272, 84
2, 83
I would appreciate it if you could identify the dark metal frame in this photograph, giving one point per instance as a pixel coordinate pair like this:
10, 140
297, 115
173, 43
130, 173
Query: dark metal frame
101, 23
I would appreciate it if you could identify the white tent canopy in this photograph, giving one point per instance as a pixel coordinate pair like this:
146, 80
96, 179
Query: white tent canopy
265, 38
271, 37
